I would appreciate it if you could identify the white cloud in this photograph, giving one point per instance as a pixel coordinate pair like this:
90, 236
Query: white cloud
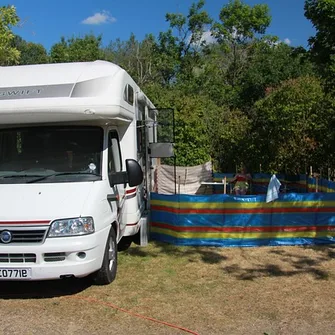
99, 18
287, 41
207, 37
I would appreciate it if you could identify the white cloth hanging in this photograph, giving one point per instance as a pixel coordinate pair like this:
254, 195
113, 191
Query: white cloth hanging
273, 189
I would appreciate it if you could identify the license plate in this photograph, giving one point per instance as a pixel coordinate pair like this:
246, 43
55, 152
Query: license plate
8, 273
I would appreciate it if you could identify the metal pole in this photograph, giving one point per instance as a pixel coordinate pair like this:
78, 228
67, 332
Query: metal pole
175, 174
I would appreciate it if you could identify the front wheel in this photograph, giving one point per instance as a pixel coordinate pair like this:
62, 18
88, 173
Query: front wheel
107, 273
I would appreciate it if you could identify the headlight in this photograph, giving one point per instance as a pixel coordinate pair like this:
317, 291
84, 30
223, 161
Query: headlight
71, 227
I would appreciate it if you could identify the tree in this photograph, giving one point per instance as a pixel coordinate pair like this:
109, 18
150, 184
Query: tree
240, 24
192, 143
288, 134
30, 53
136, 57
77, 49
229, 134
204, 131
8, 19
322, 15
269, 65
178, 50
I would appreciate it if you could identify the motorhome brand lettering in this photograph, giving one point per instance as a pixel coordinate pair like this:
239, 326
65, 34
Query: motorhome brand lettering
20, 92
35, 92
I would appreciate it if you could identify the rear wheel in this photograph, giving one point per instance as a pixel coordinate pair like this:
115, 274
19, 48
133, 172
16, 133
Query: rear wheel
107, 273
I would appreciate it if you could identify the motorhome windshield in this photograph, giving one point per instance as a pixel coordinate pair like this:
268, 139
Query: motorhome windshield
50, 154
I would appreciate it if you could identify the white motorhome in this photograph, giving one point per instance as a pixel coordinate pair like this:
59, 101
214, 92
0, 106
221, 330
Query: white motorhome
73, 153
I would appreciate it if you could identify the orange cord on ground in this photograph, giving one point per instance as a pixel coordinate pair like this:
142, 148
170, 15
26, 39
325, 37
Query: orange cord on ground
131, 313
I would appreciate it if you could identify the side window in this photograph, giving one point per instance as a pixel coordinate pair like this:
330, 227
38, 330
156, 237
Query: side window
114, 153
128, 94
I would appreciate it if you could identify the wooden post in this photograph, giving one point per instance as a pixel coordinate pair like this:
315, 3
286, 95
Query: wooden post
224, 180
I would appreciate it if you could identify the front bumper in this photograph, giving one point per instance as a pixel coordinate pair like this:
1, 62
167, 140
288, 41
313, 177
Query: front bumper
82, 255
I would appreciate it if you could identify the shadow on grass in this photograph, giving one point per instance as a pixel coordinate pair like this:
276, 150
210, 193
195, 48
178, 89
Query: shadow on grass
299, 264
209, 256
43, 289
327, 251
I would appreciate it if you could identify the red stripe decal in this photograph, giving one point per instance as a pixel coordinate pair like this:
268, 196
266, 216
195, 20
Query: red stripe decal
24, 222
132, 190
132, 224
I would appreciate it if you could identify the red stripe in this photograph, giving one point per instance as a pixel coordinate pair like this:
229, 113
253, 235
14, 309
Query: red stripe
24, 222
132, 190
244, 210
132, 224
244, 229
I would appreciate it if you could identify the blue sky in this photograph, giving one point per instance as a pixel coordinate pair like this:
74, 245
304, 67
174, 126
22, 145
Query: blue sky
45, 21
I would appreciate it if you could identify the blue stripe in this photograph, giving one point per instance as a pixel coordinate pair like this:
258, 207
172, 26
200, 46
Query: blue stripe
290, 197
241, 242
245, 220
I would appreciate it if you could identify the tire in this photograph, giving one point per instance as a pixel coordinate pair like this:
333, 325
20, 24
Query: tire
107, 273
125, 243
137, 237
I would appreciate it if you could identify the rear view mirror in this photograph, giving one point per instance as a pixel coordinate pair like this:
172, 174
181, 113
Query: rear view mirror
134, 172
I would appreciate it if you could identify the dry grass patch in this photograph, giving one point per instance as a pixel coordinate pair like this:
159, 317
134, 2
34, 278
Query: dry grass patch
273, 290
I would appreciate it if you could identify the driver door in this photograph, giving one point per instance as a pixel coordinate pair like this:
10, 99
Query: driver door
115, 165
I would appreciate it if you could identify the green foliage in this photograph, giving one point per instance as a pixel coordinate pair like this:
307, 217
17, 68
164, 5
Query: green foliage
179, 56
31, 53
136, 57
192, 145
241, 22
288, 126
167, 56
238, 27
228, 131
322, 14
270, 63
77, 49
8, 19
326, 134
190, 28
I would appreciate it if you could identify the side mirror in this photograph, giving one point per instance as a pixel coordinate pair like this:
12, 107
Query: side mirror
134, 172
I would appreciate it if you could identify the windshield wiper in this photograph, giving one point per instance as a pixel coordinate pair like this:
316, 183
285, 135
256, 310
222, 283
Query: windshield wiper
21, 176
62, 174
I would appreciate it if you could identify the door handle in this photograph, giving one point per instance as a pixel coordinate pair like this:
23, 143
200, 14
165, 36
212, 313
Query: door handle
112, 197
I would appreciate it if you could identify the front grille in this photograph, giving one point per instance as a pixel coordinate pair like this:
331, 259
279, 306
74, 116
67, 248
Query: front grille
17, 258
54, 257
26, 236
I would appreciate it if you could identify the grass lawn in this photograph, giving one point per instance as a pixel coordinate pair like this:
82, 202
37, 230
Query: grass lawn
267, 290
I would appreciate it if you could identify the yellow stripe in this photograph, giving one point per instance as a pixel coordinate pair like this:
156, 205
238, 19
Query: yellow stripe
243, 205
320, 188
241, 235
